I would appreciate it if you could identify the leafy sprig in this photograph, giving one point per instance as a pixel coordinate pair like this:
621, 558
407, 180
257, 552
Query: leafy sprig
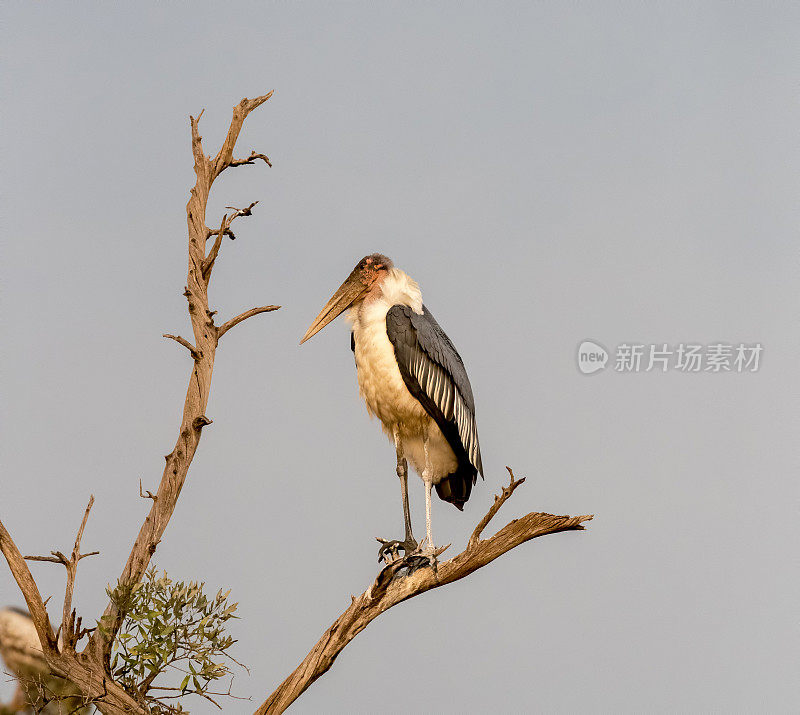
171, 629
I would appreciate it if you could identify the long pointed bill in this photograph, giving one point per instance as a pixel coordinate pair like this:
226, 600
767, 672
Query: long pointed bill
342, 299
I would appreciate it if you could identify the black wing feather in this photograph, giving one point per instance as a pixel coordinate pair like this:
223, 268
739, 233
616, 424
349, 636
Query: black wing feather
435, 375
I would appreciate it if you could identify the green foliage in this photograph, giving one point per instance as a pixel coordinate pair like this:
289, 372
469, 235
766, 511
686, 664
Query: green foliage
171, 629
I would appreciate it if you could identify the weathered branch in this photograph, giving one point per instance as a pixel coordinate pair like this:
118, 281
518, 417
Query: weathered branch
146, 495
70, 633
251, 159
208, 261
400, 581
68, 621
499, 500
109, 697
223, 230
30, 591
195, 353
90, 670
203, 351
214, 231
246, 211
225, 327
224, 157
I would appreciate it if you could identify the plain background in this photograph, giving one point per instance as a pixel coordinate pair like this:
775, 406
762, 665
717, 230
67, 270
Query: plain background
548, 172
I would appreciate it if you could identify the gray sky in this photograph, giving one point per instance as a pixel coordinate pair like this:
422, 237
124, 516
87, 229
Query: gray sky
548, 173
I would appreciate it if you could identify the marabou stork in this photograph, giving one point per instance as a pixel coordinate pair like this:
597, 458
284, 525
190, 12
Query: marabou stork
412, 378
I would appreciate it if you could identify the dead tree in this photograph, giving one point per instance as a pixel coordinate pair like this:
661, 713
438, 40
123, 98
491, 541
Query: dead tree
89, 669
404, 578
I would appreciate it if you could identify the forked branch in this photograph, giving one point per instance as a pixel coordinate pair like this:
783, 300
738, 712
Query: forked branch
499, 500
70, 628
224, 157
400, 581
203, 351
223, 230
251, 160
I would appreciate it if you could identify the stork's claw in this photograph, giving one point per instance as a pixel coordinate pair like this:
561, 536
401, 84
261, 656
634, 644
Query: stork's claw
420, 561
389, 551
425, 556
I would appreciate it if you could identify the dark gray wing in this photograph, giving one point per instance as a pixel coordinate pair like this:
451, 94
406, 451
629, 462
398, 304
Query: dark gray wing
434, 373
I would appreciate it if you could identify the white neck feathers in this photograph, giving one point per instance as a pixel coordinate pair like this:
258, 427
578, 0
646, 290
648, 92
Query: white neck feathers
399, 288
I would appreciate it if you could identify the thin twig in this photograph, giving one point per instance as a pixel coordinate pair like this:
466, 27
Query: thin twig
68, 620
223, 230
57, 558
208, 262
214, 231
246, 211
148, 494
196, 354
499, 500
225, 327
251, 159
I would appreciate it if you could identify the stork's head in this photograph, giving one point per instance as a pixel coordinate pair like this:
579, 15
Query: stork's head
366, 276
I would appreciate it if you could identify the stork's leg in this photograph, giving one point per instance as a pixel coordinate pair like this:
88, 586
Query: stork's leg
429, 552
427, 477
389, 549
410, 542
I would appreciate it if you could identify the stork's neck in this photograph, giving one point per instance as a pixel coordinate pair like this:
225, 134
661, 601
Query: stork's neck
396, 288
399, 288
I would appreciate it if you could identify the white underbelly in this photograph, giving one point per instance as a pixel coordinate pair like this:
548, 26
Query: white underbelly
387, 397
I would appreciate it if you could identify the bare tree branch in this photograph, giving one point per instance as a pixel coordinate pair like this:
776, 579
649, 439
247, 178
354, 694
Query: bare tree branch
225, 327
208, 261
90, 670
246, 211
30, 591
401, 580
70, 629
146, 495
68, 622
195, 353
499, 500
251, 159
109, 697
214, 231
206, 335
225, 155
224, 230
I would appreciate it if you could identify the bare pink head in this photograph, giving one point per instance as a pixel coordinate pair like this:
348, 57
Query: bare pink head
364, 278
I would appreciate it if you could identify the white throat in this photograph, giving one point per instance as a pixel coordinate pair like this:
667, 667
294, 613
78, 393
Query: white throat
399, 288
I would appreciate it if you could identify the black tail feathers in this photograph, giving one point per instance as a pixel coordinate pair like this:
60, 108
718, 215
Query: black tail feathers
456, 487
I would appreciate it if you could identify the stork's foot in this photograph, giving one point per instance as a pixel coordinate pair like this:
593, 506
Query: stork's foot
389, 551
423, 557
430, 553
